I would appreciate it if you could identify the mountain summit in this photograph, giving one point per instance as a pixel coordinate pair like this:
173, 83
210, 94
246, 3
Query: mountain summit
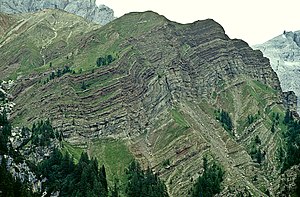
84, 8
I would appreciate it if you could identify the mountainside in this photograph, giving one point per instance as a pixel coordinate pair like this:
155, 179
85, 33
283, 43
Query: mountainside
148, 88
284, 54
29, 40
84, 8
6, 22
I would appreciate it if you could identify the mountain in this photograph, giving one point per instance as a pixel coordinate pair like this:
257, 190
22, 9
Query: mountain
144, 87
84, 8
284, 54
29, 40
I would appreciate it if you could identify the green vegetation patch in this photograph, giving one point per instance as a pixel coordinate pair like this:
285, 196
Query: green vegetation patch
227, 101
74, 151
179, 119
225, 120
144, 183
260, 91
115, 155
263, 87
168, 135
210, 182
173, 130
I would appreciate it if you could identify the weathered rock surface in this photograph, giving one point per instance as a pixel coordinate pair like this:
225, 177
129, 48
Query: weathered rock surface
286, 184
159, 96
84, 8
6, 21
284, 54
18, 148
23, 172
290, 100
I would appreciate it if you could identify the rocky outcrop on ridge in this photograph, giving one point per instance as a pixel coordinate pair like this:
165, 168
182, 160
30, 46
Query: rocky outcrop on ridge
84, 8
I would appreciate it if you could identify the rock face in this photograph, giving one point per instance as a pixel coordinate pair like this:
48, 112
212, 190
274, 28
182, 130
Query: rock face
5, 22
290, 100
15, 164
84, 8
284, 54
158, 95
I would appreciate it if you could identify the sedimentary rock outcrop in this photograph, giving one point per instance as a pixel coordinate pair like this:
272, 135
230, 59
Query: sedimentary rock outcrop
84, 8
159, 94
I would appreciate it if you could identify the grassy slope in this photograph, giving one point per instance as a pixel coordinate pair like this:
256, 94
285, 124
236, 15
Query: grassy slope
40, 38
114, 154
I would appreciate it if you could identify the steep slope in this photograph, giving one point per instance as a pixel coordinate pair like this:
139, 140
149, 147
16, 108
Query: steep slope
158, 97
6, 21
31, 40
84, 8
284, 54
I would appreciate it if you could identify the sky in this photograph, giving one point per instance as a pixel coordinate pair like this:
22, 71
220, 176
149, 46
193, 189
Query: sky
254, 21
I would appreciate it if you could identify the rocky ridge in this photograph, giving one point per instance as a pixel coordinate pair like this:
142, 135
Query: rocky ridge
84, 8
284, 54
158, 96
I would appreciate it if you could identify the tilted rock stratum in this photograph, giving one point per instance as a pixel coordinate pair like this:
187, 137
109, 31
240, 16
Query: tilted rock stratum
84, 8
158, 96
284, 54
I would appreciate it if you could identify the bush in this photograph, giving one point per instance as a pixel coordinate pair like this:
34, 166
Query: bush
106, 60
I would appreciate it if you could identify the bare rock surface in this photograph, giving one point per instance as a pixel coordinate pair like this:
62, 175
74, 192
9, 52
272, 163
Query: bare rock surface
84, 8
284, 54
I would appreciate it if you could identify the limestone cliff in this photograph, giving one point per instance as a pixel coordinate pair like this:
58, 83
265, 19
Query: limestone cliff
84, 8
284, 54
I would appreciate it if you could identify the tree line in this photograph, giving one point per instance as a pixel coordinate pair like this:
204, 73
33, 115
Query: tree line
256, 152
292, 141
210, 182
59, 73
70, 179
143, 183
86, 178
289, 154
12, 187
43, 133
5, 132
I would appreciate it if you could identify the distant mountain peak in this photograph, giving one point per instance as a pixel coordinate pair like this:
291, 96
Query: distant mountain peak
295, 36
284, 54
85, 8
